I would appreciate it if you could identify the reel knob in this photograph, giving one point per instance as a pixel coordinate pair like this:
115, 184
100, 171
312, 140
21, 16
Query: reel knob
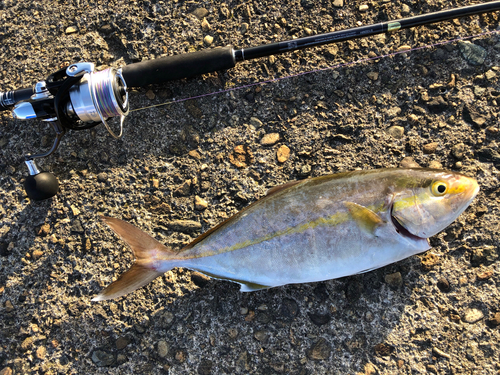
40, 185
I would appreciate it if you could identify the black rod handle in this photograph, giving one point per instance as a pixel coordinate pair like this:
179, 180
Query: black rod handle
170, 68
9, 98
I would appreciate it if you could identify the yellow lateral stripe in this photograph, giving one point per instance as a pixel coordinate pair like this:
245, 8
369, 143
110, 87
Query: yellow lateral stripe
332, 220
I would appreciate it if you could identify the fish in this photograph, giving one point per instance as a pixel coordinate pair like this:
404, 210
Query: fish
310, 230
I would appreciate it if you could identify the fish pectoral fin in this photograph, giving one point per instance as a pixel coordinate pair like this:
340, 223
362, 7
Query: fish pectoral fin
366, 219
252, 287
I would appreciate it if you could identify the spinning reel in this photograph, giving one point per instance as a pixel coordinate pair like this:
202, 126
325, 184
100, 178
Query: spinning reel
74, 98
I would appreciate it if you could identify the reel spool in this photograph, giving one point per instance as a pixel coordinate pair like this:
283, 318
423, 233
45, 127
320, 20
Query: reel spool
98, 96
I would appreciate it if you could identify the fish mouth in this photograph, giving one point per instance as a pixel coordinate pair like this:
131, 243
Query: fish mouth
402, 230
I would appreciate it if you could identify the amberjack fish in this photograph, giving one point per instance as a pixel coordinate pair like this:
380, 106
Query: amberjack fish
310, 230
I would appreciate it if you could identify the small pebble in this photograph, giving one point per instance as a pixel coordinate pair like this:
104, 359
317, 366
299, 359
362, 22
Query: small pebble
320, 319
472, 53
270, 139
6, 371
122, 342
473, 316
443, 284
71, 30
458, 151
372, 75
205, 26
320, 350
180, 355
283, 153
495, 319
241, 157
435, 164
102, 358
232, 333
430, 148
185, 226
200, 203
261, 336
41, 351
208, 40
429, 260
44, 230
397, 132
37, 254
255, 122
363, 8
338, 3
484, 275
244, 28
405, 9
184, 189
162, 348
394, 279
150, 94
408, 162
195, 154
8, 306
200, 13
383, 349
75, 210
27, 343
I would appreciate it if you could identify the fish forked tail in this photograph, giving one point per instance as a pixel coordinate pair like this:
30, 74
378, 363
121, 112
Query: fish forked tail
146, 251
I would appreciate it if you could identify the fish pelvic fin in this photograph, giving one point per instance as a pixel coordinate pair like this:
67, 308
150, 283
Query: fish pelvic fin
366, 219
147, 251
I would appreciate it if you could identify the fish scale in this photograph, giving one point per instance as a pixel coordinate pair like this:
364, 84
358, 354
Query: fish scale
311, 230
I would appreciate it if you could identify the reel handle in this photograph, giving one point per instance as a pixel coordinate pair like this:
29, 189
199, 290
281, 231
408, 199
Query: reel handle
40, 185
170, 68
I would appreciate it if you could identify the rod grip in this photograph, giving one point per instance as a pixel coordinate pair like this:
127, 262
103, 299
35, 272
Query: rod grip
186, 65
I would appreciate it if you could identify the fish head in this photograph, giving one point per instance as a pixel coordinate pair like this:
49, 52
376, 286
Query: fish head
430, 200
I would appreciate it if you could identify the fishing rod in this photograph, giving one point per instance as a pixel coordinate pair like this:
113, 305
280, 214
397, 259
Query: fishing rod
79, 97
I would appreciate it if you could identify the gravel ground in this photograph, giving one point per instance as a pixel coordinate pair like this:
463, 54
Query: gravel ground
184, 167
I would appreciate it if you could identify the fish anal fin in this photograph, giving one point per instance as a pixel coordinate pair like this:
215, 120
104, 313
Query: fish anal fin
136, 277
252, 287
365, 218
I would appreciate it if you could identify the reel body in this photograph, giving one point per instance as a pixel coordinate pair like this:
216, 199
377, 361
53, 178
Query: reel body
74, 98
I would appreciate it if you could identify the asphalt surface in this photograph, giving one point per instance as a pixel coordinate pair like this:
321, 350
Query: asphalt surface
183, 167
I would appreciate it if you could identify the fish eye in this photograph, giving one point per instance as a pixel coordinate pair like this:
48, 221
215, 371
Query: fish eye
439, 188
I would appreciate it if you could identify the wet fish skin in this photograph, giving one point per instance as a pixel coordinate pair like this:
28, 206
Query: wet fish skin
329, 227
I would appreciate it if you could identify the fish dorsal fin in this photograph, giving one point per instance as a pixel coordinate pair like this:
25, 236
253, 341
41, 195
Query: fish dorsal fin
366, 219
279, 188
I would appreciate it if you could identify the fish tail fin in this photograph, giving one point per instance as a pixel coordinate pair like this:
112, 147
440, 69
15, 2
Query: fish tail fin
146, 251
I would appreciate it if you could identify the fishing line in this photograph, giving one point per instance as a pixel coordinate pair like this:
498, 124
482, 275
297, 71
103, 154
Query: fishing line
337, 66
